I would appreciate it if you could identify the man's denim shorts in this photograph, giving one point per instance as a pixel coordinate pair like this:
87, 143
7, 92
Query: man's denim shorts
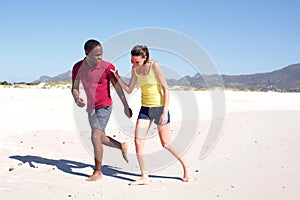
98, 117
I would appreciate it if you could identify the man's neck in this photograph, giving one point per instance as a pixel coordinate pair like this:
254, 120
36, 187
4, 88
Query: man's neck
89, 64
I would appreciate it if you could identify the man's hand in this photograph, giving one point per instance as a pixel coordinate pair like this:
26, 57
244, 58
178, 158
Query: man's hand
80, 102
128, 112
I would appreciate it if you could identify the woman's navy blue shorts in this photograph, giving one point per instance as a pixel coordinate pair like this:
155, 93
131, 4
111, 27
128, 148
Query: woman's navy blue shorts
152, 113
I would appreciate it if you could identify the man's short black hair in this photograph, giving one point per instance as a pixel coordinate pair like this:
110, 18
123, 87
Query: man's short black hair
90, 45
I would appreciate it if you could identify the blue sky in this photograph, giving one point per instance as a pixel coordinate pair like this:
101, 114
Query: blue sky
241, 37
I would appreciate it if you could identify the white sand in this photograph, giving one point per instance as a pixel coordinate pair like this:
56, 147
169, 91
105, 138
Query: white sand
256, 157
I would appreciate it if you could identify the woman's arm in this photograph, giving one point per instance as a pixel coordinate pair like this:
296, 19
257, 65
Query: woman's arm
127, 87
162, 80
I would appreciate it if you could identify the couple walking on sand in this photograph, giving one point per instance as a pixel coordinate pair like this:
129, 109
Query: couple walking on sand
95, 74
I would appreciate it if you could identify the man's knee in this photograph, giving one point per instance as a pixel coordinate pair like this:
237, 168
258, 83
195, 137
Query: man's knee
97, 135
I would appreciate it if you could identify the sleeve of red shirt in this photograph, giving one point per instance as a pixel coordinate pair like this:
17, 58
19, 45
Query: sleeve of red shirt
111, 67
75, 71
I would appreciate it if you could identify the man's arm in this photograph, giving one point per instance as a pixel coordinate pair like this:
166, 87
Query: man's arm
121, 95
76, 94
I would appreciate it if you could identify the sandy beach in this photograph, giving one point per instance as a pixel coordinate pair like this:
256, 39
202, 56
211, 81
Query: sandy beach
45, 156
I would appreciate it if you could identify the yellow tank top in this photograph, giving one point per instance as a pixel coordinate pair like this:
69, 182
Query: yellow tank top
151, 91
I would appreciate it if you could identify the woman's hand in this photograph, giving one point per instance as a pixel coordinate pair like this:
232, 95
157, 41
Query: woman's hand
163, 118
116, 74
114, 71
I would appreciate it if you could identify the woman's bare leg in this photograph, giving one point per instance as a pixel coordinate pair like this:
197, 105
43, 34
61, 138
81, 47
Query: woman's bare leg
165, 139
141, 130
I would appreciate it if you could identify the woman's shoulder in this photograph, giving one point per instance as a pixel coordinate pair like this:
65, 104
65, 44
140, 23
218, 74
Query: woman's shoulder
154, 64
133, 71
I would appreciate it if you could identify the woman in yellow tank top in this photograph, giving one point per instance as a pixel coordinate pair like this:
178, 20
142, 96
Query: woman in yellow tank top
155, 104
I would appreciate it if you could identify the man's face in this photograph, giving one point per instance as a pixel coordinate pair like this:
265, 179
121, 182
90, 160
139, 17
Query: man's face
95, 56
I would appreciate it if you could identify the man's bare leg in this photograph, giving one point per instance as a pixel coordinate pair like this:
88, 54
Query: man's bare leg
97, 174
124, 149
108, 141
98, 153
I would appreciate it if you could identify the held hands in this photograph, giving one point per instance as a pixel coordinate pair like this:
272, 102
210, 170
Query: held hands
80, 102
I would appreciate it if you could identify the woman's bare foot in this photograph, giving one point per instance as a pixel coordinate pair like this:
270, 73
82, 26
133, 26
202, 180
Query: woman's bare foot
97, 175
141, 181
124, 148
186, 173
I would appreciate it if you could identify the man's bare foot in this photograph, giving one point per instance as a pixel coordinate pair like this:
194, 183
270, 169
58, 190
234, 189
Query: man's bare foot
124, 149
141, 181
186, 173
97, 175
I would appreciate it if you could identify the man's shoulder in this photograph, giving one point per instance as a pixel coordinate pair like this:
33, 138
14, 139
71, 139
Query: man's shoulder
108, 65
78, 64
75, 70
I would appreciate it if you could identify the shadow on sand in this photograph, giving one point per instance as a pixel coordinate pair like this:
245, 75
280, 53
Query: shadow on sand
67, 166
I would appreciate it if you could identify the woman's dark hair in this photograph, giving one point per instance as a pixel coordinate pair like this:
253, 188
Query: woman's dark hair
140, 50
90, 45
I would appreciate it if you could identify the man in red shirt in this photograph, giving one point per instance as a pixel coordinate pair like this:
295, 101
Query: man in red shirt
95, 75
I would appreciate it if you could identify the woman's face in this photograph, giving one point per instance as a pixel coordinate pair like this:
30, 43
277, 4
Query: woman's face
137, 61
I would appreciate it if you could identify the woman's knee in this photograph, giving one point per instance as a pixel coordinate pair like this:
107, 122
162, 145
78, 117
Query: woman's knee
165, 144
139, 142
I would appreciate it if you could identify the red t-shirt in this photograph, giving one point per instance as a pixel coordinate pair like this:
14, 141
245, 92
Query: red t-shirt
96, 82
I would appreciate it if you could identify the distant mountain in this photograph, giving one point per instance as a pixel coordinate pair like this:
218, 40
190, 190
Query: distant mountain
67, 76
286, 79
